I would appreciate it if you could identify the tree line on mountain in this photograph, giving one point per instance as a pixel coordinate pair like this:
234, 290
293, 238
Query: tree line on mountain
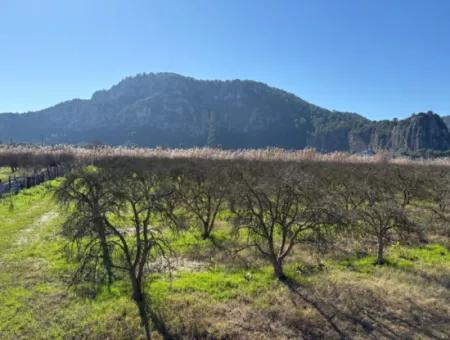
122, 211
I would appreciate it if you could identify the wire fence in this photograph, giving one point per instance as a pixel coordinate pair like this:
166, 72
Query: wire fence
16, 183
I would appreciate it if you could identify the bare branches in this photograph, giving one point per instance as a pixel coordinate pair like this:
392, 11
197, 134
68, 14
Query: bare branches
124, 207
106, 202
277, 206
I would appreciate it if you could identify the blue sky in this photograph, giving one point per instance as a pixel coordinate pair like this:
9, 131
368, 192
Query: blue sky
383, 58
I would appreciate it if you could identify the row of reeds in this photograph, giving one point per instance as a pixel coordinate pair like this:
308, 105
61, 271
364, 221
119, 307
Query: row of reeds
28, 156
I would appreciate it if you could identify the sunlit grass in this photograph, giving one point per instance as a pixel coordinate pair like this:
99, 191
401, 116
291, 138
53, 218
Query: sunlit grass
219, 296
218, 284
401, 257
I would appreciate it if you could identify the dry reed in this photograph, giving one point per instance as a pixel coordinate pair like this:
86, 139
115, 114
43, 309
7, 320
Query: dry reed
27, 156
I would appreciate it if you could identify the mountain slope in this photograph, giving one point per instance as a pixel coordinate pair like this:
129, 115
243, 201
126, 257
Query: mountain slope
446, 120
172, 110
421, 131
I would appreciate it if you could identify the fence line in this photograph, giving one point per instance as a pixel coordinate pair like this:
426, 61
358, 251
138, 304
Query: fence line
16, 183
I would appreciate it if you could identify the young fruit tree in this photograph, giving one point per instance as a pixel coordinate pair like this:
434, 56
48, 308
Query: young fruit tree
278, 206
129, 212
84, 194
383, 213
201, 191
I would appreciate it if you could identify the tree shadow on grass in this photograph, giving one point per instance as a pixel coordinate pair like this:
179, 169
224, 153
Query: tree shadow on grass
294, 287
415, 320
160, 325
377, 317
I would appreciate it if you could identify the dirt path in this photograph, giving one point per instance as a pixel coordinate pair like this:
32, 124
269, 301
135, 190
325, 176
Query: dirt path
27, 233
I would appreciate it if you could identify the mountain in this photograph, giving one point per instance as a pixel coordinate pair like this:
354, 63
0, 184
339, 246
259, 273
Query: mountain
166, 109
446, 120
421, 131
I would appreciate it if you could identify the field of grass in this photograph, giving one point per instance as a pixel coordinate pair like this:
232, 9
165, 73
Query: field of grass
213, 292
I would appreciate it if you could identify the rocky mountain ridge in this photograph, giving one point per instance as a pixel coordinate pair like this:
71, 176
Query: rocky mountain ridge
446, 120
166, 109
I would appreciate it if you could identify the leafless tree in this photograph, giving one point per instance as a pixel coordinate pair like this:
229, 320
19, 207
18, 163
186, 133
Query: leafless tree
202, 189
409, 181
85, 190
130, 205
278, 205
383, 211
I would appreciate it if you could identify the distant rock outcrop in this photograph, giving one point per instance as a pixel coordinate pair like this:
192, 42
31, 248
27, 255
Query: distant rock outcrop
421, 131
166, 109
446, 120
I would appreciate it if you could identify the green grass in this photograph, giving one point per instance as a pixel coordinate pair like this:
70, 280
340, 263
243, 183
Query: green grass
218, 298
430, 254
190, 242
35, 301
21, 210
401, 257
217, 284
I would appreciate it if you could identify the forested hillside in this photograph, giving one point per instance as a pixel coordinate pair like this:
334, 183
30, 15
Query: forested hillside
166, 109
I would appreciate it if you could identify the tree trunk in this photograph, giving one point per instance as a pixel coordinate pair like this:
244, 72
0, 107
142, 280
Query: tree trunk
107, 262
278, 269
139, 299
405, 199
206, 231
380, 256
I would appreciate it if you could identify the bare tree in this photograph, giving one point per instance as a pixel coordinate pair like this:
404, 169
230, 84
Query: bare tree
202, 189
409, 181
383, 211
277, 205
85, 190
136, 206
132, 204
436, 199
438, 190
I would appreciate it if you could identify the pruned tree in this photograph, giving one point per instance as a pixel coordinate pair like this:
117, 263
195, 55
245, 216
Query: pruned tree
383, 213
438, 190
201, 191
409, 181
129, 211
277, 206
83, 192
136, 207
436, 199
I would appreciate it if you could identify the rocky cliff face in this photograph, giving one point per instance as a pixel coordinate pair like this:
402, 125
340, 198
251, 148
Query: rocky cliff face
171, 110
446, 120
419, 132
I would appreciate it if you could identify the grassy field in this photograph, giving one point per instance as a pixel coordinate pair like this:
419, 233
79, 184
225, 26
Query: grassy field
213, 292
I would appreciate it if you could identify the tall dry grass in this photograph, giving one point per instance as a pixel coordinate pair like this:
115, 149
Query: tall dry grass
26, 156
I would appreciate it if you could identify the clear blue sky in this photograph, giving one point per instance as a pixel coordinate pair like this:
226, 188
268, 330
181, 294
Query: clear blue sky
380, 58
